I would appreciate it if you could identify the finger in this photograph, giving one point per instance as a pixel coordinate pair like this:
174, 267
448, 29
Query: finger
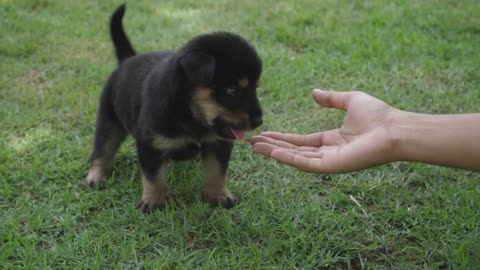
333, 99
309, 152
319, 153
298, 161
264, 148
264, 139
313, 140
281, 144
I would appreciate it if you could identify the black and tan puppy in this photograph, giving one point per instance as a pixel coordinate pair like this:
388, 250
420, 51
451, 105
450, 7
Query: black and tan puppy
177, 105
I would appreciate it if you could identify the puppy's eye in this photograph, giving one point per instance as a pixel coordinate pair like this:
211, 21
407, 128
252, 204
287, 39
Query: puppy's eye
234, 92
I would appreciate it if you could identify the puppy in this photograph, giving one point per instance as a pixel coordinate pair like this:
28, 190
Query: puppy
177, 105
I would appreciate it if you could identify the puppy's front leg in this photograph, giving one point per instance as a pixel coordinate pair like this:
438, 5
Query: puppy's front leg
215, 157
153, 178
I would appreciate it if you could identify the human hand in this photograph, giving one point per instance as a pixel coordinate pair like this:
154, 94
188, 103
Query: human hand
364, 139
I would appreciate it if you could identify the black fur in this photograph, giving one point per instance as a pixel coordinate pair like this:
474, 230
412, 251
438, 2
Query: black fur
123, 48
155, 97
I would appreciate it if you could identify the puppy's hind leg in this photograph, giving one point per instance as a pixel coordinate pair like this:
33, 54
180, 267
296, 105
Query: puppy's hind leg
215, 157
109, 135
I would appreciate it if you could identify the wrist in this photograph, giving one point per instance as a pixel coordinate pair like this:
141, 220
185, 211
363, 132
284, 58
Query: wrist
401, 125
416, 136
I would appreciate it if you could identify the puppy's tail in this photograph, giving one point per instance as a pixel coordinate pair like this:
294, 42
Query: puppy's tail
123, 47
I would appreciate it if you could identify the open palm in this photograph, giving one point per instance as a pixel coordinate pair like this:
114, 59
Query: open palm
364, 139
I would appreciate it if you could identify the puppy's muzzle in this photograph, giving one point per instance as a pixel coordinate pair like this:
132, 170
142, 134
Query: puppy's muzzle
256, 121
255, 114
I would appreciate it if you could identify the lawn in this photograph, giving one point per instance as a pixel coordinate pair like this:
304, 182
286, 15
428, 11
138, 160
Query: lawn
55, 55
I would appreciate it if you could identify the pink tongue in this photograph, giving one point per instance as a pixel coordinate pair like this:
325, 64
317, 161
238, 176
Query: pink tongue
239, 134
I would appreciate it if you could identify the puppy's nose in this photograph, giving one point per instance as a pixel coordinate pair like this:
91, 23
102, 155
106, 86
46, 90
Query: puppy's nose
256, 122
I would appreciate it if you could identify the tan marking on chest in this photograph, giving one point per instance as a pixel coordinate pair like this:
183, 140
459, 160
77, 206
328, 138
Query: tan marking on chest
161, 142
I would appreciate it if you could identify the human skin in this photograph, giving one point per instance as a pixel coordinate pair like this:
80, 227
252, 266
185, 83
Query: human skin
375, 133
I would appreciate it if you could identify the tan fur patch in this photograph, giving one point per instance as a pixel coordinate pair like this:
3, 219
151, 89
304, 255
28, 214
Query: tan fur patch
216, 184
162, 142
209, 138
216, 181
154, 190
99, 171
240, 119
204, 106
207, 109
109, 149
243, 82
101, 168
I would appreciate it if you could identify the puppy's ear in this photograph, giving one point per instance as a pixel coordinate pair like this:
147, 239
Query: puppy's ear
199, 67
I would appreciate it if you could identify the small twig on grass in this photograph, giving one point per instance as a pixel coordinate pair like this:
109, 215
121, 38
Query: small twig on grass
359, 205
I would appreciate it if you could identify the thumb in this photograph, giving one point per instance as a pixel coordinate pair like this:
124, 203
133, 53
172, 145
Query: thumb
332, 99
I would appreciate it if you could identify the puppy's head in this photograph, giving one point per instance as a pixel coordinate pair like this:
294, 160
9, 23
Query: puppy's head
223, 71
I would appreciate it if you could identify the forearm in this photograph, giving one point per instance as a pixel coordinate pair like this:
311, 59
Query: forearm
448, 140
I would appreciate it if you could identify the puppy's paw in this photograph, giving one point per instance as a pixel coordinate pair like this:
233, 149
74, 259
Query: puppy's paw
224, 198
150, 204
97, 177
154, 194
151, 200
94, 183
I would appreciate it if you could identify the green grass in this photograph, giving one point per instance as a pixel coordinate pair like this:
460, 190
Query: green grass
417, 55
